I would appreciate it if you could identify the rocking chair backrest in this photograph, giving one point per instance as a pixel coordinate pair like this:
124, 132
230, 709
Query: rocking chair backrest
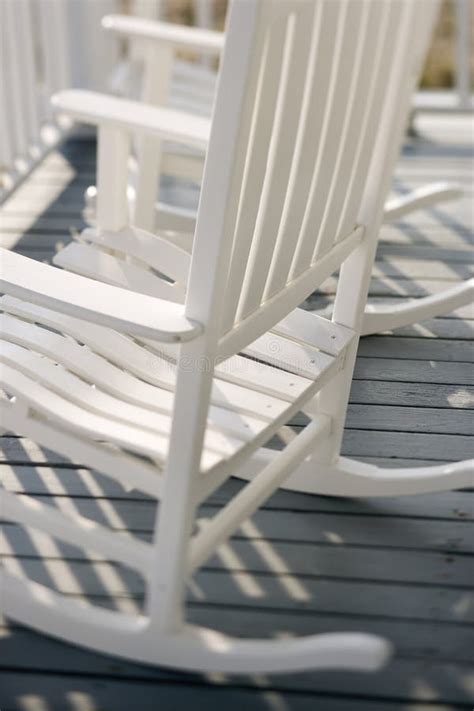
302, 96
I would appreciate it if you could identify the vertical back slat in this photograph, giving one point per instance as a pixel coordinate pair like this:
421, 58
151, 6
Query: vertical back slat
361, 164
331, 135
281, 155
326, 42
266, 94
225, 165
356, 109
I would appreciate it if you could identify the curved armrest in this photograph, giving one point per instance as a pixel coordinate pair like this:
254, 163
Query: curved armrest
134, 116
121, 309
179, 36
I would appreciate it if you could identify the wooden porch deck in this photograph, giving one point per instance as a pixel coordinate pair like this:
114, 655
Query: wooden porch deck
402, 568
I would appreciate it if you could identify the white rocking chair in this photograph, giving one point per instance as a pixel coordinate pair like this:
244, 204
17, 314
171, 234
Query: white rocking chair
293, 72
166, 81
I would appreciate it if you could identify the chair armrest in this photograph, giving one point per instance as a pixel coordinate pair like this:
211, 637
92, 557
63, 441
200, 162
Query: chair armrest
179, 36
134, 116
112, 306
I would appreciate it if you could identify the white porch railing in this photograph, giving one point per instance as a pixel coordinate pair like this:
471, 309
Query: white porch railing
463, 53
48, 45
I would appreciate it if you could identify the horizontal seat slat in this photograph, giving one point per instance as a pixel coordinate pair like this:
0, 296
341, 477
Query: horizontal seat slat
244, 370
153, 250
92, 262
52, 375
111, 461
118, 348
138, 362
58, 408
314, 330
64, 383
295, 361
62, 410
295, 357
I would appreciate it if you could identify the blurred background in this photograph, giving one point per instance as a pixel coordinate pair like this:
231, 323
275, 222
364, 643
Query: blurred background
50, 45
440, 71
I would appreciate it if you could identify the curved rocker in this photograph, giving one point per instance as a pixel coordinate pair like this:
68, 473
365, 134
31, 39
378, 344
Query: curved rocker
351, 478
192, 648
385, 317
420, 199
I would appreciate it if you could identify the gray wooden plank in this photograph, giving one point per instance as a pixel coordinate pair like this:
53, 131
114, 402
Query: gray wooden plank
423, 253
429, 235
96, 582
442, 682
359, 442
433, 641
411, 394
80, 487
323, 304
420, 348
375, 530
38, 228
396, 284
321, 560
82, 483
106, 694
412, 268
448, 328
414, 371
410, 419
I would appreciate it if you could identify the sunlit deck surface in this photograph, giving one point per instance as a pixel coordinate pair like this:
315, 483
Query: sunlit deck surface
402, 568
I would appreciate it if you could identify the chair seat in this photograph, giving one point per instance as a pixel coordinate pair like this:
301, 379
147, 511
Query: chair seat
193, 88
106, 387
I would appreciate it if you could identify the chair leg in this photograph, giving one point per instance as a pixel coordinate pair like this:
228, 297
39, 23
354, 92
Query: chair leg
351, 478
383, 317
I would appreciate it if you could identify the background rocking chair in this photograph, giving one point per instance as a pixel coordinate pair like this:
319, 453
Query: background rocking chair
161, 80
177, 423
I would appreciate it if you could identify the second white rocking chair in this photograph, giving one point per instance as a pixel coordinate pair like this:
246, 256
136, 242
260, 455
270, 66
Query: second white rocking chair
194, 91
177, 424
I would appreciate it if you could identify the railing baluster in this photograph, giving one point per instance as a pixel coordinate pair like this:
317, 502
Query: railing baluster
463, 27
19, 130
